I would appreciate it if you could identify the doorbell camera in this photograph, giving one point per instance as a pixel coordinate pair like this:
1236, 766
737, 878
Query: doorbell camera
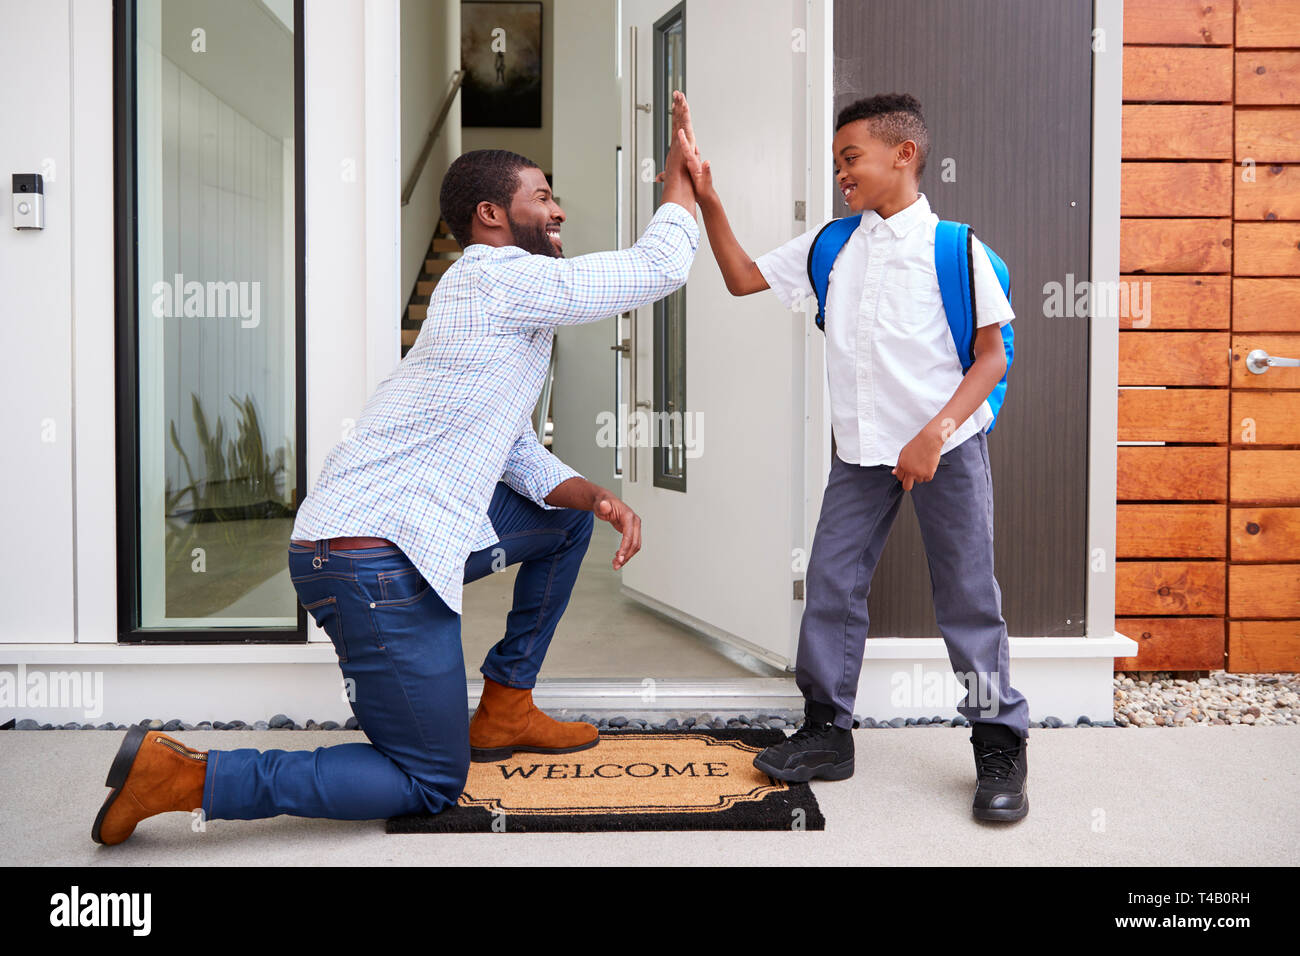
29, 201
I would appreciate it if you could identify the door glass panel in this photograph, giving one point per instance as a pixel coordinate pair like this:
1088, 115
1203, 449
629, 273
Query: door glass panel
215, 316
670, 312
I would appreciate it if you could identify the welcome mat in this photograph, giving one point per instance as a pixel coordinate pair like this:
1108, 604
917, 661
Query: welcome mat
631, 780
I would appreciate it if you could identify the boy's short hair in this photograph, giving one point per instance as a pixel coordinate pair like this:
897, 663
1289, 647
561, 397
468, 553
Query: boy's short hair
893, 118
481, 175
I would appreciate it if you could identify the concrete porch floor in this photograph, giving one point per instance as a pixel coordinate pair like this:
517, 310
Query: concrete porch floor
603, 633
1203, 796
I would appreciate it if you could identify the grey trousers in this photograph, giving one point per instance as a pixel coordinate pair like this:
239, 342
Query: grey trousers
955, 513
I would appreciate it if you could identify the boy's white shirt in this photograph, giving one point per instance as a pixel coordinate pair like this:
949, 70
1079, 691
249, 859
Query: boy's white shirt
894, 366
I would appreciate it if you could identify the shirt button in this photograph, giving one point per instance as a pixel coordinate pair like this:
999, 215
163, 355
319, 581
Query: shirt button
372, 603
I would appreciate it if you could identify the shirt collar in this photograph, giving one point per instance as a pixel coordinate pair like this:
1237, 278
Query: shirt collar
901, 222
481, 250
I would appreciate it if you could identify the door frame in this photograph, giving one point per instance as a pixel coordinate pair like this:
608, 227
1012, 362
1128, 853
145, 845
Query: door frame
126, 301
1073, 669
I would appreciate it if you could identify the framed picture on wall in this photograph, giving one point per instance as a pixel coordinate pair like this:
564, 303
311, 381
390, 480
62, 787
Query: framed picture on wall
501, 54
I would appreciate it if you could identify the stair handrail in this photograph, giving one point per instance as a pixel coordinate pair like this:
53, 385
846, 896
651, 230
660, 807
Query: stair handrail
456, 77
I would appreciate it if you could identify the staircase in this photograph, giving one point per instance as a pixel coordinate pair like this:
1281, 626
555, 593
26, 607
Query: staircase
443, 251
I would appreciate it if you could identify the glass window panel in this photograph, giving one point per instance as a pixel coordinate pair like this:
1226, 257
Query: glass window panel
215, 318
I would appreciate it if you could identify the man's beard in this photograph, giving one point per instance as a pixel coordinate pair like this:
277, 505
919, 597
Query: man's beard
533, 239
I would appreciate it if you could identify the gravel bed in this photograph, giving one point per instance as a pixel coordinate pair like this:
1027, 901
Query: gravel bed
1147, 699
1161, 700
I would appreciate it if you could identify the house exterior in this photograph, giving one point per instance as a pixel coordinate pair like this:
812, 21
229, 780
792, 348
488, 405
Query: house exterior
225, 244
1206, 536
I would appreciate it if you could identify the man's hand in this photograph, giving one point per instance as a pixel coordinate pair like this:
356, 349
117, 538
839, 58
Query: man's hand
682, 167
608, 507
682, 121
919, 458
583, 495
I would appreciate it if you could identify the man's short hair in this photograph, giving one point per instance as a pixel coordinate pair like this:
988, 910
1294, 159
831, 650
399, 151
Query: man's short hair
893, 118
481, 175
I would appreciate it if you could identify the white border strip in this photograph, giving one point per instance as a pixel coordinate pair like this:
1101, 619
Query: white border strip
884, 648
1103, 365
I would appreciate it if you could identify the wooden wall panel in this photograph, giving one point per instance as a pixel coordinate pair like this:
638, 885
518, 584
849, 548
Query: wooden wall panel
1219, 244
1170, 531
1171, 473
1263, 590
1178, 74
1265, 305
1175, 245
1268, 192
1268, 135
1268, 77
1267, 248
1173, 358
1176, 132
1264, 475
1173, 415
1176, 189
1170, 587
1277, 376
1265, 534
1263, 418
1268, 23
1263, 646
1178, 302
1173, 643
1177, 21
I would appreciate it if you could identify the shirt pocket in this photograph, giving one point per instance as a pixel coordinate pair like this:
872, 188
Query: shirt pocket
913, 299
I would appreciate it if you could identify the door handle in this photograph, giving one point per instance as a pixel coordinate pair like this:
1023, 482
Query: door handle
1259, 362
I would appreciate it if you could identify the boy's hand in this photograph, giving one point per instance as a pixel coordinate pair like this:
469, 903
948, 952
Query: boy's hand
919, 458
704, 191
683, 138
701, 173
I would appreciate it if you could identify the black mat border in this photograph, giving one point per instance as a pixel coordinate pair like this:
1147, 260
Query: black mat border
746, 816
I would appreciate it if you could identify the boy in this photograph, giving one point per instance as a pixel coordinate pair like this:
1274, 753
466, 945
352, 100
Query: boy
904, 418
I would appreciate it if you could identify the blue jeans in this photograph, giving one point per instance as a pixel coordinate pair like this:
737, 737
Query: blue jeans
399, 648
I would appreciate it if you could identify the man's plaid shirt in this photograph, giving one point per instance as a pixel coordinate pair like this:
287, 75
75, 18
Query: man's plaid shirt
454, 417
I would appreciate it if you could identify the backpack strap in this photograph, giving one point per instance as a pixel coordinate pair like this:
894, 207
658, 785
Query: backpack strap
954, 262
956, 271
825, 249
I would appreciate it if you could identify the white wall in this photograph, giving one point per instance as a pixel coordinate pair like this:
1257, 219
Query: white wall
37, 429
586, 131
341, 357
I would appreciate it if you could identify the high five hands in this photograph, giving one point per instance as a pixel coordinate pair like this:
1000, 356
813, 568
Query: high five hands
683, 166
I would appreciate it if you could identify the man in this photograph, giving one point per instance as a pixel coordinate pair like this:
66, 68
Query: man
442, 481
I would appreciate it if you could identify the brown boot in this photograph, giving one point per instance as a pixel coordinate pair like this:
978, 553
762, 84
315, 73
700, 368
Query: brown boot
507, 721
152, 773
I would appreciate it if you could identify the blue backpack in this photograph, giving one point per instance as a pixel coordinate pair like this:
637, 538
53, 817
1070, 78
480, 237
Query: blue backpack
952, 262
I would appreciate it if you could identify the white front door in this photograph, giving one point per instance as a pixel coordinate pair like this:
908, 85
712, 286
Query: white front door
718, 413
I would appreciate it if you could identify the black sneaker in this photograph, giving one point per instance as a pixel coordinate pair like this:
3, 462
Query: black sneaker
815, 750
1001, 766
